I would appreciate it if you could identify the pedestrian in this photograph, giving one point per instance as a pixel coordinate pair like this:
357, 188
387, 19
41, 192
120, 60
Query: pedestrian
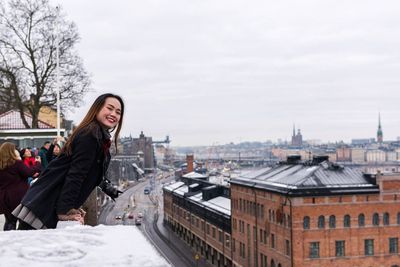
68, 180
26, 156
13, 182
43, 152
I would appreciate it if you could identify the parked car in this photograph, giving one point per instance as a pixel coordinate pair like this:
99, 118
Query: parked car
147, 191
118, 217
140, 215
130, 216
138, 221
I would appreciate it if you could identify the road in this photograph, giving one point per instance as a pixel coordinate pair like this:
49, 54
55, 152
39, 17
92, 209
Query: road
134, 201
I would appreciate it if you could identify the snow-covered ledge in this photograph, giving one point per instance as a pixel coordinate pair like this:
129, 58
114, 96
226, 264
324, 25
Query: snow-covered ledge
78, 245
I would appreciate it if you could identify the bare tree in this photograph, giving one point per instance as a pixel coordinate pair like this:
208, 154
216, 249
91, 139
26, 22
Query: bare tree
28, 36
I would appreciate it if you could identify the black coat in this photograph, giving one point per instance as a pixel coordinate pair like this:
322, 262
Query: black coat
69, 179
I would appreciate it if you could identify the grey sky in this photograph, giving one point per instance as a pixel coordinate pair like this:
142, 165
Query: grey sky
221, 71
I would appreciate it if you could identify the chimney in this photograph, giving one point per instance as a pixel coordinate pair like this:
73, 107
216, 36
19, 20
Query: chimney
189, 161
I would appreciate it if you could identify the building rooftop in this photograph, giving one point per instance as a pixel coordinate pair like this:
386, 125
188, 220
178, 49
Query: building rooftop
11, 120
219, 204
309, 179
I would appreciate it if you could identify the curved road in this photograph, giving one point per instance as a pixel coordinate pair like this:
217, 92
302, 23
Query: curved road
134, 201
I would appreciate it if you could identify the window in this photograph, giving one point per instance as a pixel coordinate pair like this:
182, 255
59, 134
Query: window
340, 248
386, 218
287, 247
346, 221
361, 220
208, 229
213, 232
394, 245
321, 222
332, 221
220, 237
369, 247
272, 241
375, 219
398, 218
306, 222
314, 250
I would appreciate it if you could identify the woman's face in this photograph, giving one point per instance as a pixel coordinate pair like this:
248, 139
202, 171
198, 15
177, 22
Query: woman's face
27, 153
56, 150
110, 113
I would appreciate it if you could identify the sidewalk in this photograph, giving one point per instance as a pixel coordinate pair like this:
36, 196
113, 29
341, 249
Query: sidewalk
180, 244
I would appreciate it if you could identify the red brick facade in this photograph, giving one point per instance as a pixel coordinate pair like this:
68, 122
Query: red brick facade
289, 233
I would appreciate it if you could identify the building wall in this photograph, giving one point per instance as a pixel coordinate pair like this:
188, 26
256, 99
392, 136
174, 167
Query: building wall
375, 155
207, 239
358, 155
260, 228
292, 213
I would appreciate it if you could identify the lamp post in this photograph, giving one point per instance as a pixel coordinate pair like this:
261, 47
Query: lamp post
58, 70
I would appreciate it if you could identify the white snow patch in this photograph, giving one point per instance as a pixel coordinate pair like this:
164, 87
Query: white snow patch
79, 245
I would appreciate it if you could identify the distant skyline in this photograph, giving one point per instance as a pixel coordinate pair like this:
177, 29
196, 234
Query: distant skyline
207, 72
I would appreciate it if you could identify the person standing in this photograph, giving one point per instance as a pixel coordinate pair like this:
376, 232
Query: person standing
13, 182
68, 180
43, 153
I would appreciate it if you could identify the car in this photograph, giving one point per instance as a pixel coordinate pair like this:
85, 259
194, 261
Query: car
118, 217
130, 216
140, 215
138, 221
147, 191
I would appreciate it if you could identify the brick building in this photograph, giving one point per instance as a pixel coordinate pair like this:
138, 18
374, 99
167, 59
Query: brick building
315, 214
199, 213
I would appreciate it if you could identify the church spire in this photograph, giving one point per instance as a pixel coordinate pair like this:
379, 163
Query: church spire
379, 133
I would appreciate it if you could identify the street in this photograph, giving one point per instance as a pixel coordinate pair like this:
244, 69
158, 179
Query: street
133, 203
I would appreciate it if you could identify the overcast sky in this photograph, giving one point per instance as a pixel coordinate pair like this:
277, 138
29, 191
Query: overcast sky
214, 71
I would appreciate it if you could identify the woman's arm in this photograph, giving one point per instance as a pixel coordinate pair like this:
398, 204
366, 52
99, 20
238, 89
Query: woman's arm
84, 149
25, 171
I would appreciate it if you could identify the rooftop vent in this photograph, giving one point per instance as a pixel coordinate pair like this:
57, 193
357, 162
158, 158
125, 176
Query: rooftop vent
317, 159
293, 159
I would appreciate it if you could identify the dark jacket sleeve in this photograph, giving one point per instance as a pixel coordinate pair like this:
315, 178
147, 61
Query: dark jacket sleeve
84, 149
49, 154
25, 171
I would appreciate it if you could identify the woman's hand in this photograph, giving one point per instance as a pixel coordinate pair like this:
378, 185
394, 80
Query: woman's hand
73, 215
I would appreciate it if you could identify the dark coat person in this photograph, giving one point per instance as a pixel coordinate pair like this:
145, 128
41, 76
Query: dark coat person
68, 180
13, 181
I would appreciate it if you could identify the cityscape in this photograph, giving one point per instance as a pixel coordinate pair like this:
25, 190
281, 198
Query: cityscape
238, 134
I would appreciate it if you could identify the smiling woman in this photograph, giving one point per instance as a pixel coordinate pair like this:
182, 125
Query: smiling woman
69, 179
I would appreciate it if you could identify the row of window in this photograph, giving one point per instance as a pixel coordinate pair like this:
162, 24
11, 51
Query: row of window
340, 247
249, 207
347, 220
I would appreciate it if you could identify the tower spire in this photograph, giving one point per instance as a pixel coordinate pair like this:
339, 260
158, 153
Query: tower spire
379, 134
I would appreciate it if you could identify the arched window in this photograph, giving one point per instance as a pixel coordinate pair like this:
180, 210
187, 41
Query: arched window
346, 221
272, 263
306, 222
321, 222
386, 218
332, 221
375, 219
279, 265
361, 220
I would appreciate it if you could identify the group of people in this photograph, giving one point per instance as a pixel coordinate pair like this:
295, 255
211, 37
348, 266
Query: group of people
65, 176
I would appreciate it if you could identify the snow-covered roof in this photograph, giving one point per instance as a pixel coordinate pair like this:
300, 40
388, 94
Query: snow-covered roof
194, 175
11, 120
79, 246
173, 186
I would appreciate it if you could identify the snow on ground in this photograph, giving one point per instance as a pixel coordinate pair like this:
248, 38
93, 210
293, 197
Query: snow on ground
79, 245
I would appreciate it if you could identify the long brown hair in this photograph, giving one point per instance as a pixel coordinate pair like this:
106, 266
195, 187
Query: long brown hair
7, 155
91, 117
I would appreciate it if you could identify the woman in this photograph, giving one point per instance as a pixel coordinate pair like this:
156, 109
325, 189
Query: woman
27, 158
69, 179
13, 181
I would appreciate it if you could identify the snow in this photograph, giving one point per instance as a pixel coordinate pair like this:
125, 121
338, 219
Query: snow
79, 245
